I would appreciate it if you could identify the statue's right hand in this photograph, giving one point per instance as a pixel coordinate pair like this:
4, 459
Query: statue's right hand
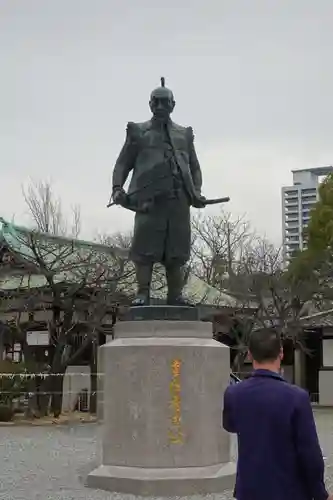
119, 196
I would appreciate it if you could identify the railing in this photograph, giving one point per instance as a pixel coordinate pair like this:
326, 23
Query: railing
234, 379
17, 390
77, 389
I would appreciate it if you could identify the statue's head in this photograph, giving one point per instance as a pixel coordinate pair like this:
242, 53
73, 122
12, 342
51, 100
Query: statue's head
161, 101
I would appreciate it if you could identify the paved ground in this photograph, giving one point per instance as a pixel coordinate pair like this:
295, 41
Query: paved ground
39, 463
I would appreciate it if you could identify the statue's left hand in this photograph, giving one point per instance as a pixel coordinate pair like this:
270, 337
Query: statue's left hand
199, 202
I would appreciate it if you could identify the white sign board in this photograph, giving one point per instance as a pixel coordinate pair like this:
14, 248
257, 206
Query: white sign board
328, 353
38, 338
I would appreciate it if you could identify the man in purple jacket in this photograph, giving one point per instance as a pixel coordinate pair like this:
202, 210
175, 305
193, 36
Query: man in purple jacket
279, 456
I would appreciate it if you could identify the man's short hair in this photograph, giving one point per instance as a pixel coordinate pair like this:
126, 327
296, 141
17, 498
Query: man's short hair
265, 345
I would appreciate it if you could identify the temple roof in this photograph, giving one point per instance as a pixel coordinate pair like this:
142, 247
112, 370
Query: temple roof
67, 259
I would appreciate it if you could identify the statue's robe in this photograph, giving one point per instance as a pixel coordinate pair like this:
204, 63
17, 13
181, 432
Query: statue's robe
165, 170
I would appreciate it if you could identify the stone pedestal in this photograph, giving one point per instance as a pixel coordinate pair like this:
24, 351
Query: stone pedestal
162, 411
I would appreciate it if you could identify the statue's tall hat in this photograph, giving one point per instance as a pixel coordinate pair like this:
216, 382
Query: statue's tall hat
162, 92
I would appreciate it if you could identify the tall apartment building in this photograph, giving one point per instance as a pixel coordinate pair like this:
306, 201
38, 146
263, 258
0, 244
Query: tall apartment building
297, 201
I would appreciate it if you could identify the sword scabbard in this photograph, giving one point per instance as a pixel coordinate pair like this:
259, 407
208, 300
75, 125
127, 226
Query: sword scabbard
216, 201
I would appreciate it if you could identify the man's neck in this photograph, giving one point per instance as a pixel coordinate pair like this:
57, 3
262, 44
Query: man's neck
272, 367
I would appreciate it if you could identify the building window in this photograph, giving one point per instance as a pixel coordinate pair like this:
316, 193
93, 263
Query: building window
14, 353
309, 191
309, 199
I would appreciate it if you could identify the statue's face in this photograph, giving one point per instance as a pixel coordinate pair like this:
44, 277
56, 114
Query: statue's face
161, 103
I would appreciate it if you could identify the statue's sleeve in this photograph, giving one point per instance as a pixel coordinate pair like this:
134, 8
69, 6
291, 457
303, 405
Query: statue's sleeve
126, 159
194, 162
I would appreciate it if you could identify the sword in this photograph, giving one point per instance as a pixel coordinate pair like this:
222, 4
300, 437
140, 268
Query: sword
205, 202
128, 206
215, 201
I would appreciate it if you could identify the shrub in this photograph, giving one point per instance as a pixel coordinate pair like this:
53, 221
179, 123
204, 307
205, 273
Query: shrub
6, 413
12, 385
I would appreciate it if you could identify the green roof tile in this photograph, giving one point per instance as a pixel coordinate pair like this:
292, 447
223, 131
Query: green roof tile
68, 259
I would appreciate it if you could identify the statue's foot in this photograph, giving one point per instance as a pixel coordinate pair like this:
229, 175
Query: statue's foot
140, 300
179, 301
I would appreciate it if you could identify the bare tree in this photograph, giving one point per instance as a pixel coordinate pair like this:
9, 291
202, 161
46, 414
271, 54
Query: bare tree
47, 213
229, 256
264, 285
259, 265
77, 285
218, 242
119, 240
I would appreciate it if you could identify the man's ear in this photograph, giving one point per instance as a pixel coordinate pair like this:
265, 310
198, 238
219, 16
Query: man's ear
281, 355
249, 355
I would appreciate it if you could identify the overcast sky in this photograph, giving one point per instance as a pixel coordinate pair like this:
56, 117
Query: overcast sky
254, 78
